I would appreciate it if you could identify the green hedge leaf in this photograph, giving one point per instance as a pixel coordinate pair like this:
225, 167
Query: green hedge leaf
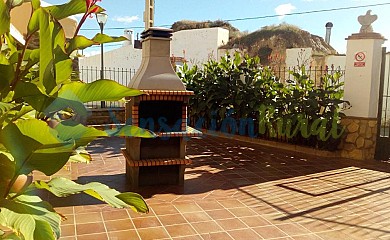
62, 187
35, 146
30, 216
100, 90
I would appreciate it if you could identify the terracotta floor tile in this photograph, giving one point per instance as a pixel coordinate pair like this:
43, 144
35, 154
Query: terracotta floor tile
244, 234
67, 238
193, 237
88, 217
118, 225
68, 230
180, 230
146, 222
164, 209
269, 232
123, 235
242, 212
196, 217
209, 205
293, 229
217, 236
99, 236
69, 219
207, 227
90, 228
172, 219
115, 215
153, 233
307, 237
220, 214
186, 207
231, 224
255, 221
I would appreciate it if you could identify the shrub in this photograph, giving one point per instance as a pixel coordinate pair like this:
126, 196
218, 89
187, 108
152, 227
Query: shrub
237, 91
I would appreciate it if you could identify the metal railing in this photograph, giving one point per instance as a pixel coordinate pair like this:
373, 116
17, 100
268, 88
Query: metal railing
314, 73
120, 75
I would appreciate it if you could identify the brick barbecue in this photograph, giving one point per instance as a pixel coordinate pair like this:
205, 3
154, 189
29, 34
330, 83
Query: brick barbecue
163, 110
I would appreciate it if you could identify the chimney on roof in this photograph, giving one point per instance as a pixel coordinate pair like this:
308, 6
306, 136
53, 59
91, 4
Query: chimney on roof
328, 26
129, 35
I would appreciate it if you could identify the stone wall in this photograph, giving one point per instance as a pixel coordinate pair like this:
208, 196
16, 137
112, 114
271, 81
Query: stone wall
106, 116
360, 138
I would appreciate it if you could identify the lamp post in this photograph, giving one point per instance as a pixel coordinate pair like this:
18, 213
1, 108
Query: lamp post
101, 19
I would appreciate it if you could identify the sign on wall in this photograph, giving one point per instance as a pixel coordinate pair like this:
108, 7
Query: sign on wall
360, 59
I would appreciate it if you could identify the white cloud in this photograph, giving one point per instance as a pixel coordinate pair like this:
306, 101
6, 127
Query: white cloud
91, 53
284, 9
126, 19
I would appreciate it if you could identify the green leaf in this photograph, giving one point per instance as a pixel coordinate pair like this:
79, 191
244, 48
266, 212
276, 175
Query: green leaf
33, 24
36, 4
5, 107
71, 8
30, 216
35, 146
130, 131
81, 156
82, 135
7, 74
4, 18
100, 90
103, 38
46, 64
79, 43
7, 169
134, 200
14, 3
62, 187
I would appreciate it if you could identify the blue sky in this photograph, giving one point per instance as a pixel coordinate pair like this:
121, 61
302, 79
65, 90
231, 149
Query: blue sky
129, 14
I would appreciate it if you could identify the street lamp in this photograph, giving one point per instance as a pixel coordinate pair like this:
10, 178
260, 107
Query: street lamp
101, 19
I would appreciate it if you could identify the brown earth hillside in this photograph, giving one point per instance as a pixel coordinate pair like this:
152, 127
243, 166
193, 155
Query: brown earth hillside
274, 40
188, 24
268, 41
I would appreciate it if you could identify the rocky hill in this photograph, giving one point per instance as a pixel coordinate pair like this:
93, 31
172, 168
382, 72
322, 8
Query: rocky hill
268, 41
188, 24
274, 40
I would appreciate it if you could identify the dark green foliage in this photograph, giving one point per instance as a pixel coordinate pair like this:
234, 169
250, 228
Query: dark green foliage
235, 90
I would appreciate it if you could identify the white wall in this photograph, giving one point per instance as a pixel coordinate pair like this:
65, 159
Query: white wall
297, 56
124, 57
336, 60
198, 45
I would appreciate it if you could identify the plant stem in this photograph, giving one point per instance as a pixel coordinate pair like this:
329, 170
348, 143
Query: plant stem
20, 60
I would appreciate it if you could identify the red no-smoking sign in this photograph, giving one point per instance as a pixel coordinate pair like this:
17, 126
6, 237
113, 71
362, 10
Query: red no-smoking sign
360, 59
360, 56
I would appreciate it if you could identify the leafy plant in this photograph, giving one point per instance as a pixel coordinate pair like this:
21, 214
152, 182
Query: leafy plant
237, 92
36, 91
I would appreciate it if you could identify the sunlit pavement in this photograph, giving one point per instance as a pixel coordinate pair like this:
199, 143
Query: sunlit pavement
236, 190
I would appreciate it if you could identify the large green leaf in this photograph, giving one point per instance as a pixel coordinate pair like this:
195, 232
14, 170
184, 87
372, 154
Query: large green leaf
71, 8
100, 90
7, 169
82, 135
4, 18
30, 216
130, 131
62, 187
46, 63
14, 3
81, 42
5, 107
7, 74
35, 146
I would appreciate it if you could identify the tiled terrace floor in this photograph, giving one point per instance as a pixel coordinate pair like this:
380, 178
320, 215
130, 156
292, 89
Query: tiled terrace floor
237, 190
